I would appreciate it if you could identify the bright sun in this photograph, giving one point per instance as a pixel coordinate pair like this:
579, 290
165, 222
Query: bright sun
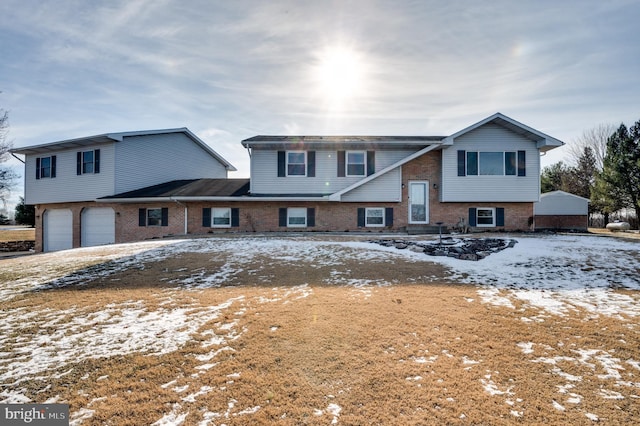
339, 75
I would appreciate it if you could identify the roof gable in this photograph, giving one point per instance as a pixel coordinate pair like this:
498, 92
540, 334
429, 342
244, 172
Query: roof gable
543, 141
79, 143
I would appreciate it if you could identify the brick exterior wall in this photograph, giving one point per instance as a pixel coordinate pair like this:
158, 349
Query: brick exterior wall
567, 223
262, 216
518, 216
126, 216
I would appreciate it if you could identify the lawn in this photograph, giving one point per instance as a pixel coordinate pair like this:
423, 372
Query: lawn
325, 330
17, 234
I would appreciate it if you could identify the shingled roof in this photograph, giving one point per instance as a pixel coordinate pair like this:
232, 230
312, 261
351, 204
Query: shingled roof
190, 188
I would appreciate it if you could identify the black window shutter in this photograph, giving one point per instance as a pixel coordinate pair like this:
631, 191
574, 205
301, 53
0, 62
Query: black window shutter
499, 216
311, 164
96, 161
282, 216
341, 164
311, 216
522, 163
282, 164
206, 217
472, 216
388, 216
371, 162
37, 168
53, 166
142, 217
462, 171
361, 213
165, 217
79, 163
472, 163
235, 217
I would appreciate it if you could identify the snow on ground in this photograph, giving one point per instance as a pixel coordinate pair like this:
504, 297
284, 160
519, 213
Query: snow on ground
555, 274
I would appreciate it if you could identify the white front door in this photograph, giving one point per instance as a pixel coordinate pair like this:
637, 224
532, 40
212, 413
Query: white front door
419, 202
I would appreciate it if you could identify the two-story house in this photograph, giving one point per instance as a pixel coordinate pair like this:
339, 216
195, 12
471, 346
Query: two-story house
486, 176
64, 179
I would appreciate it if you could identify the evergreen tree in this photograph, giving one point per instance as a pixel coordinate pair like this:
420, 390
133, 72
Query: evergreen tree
554, 177
618, 185
25, 215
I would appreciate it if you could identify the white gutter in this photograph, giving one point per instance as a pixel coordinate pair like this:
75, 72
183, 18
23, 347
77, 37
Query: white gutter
337, 196
208, 198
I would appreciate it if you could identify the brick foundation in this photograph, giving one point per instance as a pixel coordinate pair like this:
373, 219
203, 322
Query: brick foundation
566, 223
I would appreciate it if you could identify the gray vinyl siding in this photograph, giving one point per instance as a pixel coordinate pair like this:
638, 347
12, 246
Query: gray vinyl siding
386, 188
153, 159
561, 204
490, 138
67, 186
265, 180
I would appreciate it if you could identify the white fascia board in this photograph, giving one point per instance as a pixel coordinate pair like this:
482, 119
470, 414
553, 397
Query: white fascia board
558, 192
337, 196
545, 141
206, 198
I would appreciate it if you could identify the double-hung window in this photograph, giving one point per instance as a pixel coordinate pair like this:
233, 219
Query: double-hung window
297, 217
485, 217
356, 163
88, 162
46, 167
374, 217
296, 163
221, 217
153, 217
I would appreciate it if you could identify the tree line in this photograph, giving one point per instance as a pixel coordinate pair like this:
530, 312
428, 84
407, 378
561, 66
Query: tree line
606, 170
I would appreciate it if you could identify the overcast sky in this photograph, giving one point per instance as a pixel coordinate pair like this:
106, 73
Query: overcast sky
229, 70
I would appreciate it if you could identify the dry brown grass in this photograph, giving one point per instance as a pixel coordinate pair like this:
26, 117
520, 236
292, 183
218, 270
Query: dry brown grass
26, 234
414, 353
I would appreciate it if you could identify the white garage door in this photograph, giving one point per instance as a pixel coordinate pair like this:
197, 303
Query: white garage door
98, 226
57, 229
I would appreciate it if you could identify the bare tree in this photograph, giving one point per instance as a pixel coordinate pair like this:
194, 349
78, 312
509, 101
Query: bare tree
7, 176
594, 138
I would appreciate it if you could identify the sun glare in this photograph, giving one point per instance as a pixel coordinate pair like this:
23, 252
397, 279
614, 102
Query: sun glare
339, 75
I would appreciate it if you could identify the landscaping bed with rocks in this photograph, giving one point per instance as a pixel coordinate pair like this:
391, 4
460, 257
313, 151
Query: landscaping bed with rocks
459, 248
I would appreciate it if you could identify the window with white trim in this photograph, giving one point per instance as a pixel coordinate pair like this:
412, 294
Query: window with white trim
88, 162
220, 217
296, 163
356, 163
374, 217
297, 217
154, 217
45, 168
485, 217
491, 163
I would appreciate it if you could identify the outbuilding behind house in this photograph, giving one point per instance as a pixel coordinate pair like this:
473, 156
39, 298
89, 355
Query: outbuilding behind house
559, 210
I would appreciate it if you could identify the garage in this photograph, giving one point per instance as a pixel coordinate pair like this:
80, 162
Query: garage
57, 229
98, 225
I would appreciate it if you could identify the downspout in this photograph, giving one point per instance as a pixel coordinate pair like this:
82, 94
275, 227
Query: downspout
17, 158
186, 211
